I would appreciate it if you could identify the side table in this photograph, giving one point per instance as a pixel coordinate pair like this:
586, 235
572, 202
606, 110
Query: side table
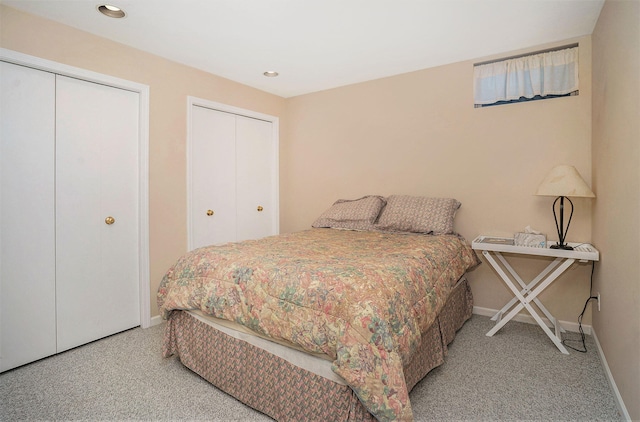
526, 294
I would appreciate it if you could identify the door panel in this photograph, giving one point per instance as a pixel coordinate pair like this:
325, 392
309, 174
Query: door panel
254, 178
212, 177
27, 237
96, 177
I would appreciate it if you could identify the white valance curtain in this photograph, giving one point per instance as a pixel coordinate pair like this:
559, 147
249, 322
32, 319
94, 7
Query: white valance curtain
550, 73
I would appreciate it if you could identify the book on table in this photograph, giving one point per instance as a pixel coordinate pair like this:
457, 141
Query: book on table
497, 240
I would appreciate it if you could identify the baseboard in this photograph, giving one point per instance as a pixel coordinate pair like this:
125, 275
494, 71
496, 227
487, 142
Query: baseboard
567, 325
156, 320
621, 407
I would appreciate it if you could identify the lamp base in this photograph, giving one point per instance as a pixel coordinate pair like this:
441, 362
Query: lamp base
564, 247
562, 231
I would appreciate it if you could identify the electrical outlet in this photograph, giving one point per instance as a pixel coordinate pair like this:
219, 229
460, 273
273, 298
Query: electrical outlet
598, 301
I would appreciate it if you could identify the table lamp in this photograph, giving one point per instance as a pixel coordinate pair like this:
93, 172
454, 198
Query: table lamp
563, 181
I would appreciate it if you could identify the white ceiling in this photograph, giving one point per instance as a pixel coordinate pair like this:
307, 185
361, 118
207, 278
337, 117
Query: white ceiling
322, 44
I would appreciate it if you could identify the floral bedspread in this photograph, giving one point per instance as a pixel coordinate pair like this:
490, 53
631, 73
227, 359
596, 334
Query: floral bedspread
363, 298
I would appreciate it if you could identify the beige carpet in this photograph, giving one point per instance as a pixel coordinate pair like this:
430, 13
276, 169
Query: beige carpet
516, 375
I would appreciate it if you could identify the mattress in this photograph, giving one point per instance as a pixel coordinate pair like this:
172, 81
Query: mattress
316, 363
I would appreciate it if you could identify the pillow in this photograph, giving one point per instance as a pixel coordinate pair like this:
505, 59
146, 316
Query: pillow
418, 214
352, 214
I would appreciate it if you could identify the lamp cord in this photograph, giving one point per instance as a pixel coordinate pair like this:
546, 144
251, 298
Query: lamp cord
582, 336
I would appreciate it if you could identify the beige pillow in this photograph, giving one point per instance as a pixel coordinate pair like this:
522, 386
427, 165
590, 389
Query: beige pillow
355, 214
418, 214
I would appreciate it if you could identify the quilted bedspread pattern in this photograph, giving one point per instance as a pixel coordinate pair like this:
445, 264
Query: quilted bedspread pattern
362, 298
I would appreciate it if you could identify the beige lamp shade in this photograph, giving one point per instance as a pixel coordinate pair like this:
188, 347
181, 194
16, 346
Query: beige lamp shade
564, 180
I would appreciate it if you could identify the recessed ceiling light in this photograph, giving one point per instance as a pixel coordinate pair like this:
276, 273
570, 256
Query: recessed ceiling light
111, 11
270, 74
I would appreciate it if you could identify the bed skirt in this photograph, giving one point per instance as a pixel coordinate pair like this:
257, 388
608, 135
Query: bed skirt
284, 391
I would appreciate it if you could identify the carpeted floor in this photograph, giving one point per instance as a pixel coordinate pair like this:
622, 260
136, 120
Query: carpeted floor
516, 375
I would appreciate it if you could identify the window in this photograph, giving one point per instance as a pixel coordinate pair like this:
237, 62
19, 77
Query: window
542, 75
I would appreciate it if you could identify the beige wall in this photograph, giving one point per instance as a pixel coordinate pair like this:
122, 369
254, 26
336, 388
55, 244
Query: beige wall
170, 84
616, 175
419, 134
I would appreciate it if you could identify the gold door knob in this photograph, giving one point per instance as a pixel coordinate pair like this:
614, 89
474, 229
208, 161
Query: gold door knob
209, 212
109, 220
260, 208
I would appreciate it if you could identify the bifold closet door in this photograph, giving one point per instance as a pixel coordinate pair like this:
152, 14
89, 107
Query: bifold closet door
231, 172
213, 169
27, 215
97, 266
254, 181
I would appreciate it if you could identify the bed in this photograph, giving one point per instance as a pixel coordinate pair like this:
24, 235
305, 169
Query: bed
338, 322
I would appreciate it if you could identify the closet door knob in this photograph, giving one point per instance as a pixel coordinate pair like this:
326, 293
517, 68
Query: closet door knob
209, 212
260, 208
109, 220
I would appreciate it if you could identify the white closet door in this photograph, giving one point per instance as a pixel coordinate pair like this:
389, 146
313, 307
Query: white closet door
27, 237
254, 178
232, 172
96, 178
212, 174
